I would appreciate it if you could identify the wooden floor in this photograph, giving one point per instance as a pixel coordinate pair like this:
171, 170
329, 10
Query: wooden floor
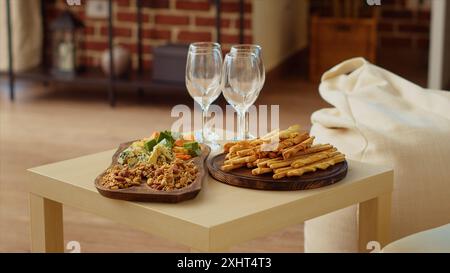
51, 123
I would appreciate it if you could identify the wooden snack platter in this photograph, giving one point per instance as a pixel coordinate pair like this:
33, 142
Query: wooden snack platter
243, 177
144, 193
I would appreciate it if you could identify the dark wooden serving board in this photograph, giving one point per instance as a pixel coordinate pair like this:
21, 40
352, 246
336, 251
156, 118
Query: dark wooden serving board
144, 193
243, 177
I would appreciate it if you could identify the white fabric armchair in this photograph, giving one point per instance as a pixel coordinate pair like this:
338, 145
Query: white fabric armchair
381, 118
436, 240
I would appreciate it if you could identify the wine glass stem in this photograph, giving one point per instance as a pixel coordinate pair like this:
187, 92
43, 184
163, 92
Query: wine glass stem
241, 125
204, 120
247, 125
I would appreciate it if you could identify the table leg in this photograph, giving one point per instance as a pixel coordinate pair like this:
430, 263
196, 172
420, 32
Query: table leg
374, 221
46, 225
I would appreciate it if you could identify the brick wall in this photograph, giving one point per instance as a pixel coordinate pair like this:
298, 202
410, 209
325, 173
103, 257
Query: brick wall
404, 24
176, 21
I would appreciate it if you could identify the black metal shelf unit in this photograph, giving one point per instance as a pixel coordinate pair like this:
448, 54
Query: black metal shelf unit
139, 79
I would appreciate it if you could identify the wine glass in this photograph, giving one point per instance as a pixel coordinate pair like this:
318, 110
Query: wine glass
203, 74
240, 82
257, 50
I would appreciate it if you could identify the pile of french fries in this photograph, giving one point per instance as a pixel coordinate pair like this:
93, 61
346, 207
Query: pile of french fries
282, 153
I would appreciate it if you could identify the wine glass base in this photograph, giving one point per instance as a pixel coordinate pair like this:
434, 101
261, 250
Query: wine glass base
211, 139
249, 136
214, 146
237, 138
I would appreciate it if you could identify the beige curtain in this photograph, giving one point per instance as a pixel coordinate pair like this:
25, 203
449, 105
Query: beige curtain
26, 22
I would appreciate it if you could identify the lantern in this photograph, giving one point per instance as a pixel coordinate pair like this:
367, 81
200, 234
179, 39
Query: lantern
66, 40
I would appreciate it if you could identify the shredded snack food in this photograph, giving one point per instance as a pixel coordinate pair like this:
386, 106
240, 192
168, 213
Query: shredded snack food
122, 176
166, 177
175, 175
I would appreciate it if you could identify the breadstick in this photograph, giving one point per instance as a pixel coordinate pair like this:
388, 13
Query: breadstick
230, 161
259, 171
281, 163
239, 146
322, 164
227, 146
280, 175
294, 149
280, 170
311, 158
246, 152
229, 167
241, 160
265, 162
260, 160
288, 131
255, 163
292, 141
302, 154
256, 142
314, 149
230, 156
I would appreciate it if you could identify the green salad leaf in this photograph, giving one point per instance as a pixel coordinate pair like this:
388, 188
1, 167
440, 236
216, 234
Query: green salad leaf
150, 144
166, 143
167, 135
193, 148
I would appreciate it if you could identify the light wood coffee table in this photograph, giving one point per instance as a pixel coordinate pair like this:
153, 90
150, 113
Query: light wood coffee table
219, 217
